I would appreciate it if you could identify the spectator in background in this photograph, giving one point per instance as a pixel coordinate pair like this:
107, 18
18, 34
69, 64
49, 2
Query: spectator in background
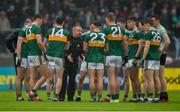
86, 10
175, 24
164, 16
4, 22
87, 18
47, 24
4, 28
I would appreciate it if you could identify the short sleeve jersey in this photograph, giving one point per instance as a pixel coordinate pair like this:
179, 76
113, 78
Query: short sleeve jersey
115, 35
84, 35
133, 38
24, 46
96, 44
33, 47
57, 39
155, 40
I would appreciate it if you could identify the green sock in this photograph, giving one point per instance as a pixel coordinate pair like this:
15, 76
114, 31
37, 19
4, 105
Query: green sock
134, 95
34, 91
48, 94
139, 95
113, 96
157, 95
143, 95
150, 95
95, 94
56, 95
92, 95
79, 93
117, 96
108, 95
125, 96
19, 95
99, 96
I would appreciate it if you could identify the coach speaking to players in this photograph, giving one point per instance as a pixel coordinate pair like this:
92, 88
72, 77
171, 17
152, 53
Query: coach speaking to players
74, 53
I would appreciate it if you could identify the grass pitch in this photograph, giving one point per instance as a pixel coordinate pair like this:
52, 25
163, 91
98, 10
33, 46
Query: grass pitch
8, 103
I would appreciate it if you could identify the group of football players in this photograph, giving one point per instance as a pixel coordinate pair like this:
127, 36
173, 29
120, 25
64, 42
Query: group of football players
128, 44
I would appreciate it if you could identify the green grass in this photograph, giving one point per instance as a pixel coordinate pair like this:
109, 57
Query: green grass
8, 102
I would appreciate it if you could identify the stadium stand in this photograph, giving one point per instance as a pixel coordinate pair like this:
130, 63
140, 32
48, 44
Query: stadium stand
14, 12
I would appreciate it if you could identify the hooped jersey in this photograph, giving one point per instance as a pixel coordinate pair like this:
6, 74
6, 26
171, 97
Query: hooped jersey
24, 46
96, 42
57, 39
33, 47
155, 40
115, 35
133, 38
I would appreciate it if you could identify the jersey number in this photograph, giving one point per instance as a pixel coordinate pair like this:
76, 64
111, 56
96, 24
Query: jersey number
58, 33
116, 30
28, 31
157, 36
95, 35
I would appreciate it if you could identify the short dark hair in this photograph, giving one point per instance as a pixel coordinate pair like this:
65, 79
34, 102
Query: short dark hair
111, 16
132, 19
149, 21
155, 16
142, 21
37, 16
97, 23
122, 20
60, 19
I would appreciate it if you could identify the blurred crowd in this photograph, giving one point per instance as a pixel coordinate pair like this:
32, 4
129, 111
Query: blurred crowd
14, 12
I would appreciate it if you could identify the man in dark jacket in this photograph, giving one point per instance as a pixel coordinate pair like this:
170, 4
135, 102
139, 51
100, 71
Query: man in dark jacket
73, 55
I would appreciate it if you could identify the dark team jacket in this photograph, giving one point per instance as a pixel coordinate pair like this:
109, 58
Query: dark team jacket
76, 49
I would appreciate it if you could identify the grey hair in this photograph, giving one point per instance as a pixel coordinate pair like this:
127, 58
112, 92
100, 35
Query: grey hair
74, 27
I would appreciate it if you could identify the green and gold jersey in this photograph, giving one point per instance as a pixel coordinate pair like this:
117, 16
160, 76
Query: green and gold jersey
24, 46
57, 39
133, 38
115, 35
155, 40
33, 48
96, 42
143, 44
84, 35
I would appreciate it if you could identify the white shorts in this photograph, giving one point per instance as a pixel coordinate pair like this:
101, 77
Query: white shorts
35, 61
151, 64
54, 62
97, 66
83, 66
24, 62
114, 61
130, 63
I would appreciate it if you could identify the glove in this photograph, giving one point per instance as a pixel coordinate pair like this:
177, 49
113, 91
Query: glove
135, 61
19, 60
124, 60
45, 57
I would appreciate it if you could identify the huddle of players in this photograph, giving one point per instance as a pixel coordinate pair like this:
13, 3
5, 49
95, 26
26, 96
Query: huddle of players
113, 47
143, 46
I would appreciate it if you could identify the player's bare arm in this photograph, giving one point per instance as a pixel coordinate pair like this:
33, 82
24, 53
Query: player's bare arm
40, 44
146, 49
